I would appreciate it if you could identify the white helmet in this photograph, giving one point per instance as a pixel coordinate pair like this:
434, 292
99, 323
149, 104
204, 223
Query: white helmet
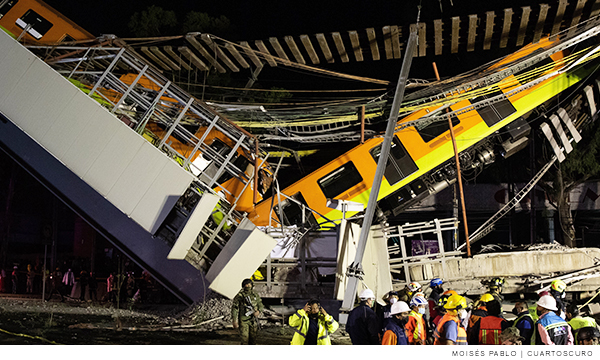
418, 300
399, 307
367, 294
547, 302
414, 286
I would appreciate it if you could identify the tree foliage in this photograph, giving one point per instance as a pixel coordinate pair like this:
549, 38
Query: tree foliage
202, 22
154, 21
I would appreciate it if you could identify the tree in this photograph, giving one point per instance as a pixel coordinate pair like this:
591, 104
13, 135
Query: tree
154, 21
582, 164
202, 22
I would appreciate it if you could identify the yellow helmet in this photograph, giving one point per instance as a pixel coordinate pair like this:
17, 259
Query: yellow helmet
456, 302
486, 297
558, 285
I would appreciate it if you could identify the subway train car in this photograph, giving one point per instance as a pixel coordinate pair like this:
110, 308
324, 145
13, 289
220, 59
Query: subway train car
34, 21
489, 113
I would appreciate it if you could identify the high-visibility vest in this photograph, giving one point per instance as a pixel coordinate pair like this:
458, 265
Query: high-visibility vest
461, 339
490, 328
532, 340
579, 322
557, 329
300, 321
415, 328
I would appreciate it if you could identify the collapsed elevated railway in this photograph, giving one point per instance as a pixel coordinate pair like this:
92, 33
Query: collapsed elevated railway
191, 195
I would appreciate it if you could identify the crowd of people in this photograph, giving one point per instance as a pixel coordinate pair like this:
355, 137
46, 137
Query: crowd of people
453, 320
83, 285
443, 318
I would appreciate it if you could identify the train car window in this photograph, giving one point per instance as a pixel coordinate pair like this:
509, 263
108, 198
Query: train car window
339, 180
67, 38
5, 6
36, 25
296, 214
399, 164
432, 130
496, 112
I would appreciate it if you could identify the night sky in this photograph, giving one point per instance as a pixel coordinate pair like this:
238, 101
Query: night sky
261, 19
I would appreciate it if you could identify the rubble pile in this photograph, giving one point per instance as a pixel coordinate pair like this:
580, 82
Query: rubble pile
213, 307
544, 247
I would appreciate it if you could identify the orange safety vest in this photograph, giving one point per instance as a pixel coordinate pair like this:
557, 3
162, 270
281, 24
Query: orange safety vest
461, 339
490, 328
415, 328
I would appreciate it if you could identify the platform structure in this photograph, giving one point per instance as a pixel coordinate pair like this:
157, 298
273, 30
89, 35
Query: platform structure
77, 126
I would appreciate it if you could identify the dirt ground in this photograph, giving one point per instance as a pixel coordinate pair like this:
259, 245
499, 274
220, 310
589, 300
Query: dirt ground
31, 321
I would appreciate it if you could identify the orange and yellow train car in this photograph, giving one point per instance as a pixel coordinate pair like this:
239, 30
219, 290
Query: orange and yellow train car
34, 21
420, 153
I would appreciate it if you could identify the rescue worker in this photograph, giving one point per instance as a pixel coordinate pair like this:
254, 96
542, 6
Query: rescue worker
409, 291
478, 313
524, 322
551, 329
383, 312
449, 331
362, 324
495, 288
394, 332
247, 306
576, 321
588, 336
486, 330
416, 329
313, 325
558, 291
440, 307
436, 292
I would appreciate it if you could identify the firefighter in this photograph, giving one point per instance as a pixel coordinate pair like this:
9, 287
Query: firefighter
449, 330
558, 291
409, 291
247, 306
488, 328
495, 286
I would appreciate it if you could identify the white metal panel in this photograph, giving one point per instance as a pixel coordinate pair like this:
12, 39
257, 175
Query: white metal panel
557, 150
113, 159
91, 141
12, 68
241, 256
162, 194
561, 133
25, 93
44, 111
137, 178
562, 113
193, 226
71, 121
347, 243
589, 94
376, 264
6, 44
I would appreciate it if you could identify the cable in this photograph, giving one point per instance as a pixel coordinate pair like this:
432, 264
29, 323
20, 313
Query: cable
30, 337
293, 64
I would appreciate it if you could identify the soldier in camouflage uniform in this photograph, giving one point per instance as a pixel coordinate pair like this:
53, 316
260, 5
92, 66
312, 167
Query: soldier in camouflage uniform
247, 306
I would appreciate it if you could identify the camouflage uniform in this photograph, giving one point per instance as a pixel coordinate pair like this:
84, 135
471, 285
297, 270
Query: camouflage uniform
239, 308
